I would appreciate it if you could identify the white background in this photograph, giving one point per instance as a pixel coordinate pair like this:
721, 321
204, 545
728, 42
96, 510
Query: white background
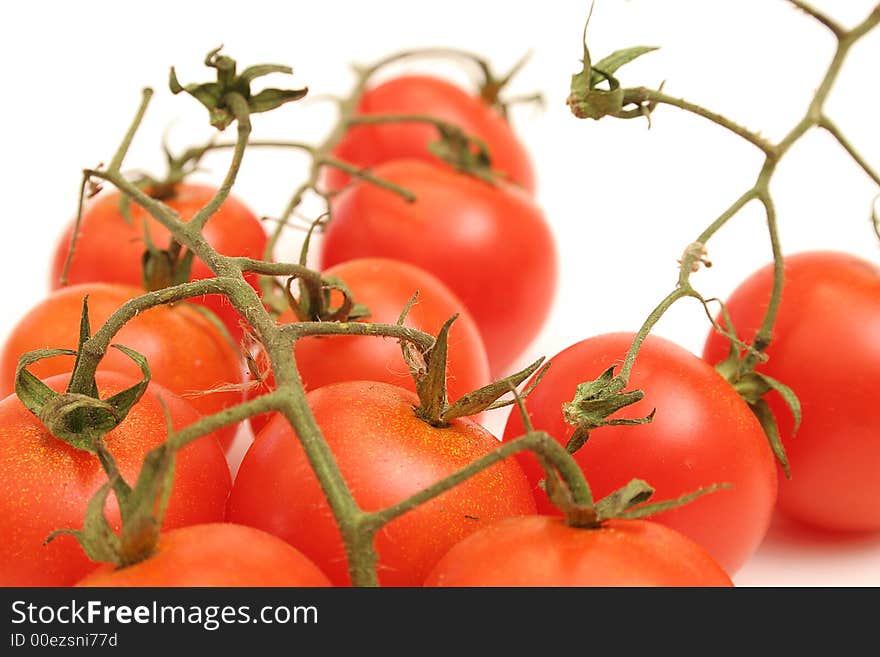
622, 200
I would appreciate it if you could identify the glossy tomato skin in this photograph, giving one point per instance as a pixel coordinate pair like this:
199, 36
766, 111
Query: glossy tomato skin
109, 248
544, 551
373, 145
825, 347
489, 244
186, 352
215, 554
385, 454
385, 286
703, 434
45, 484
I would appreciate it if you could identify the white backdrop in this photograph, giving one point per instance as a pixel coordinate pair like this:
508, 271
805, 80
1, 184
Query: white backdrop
623, 200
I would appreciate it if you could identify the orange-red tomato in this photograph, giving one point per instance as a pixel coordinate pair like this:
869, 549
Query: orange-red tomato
544, 551
825, 348
702, 434
490, 244
217, 554
385, 287
109, 247
45, 484
186, 352
372, 145
386, 454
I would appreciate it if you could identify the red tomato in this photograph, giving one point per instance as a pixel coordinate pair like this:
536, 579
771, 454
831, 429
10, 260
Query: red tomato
703, 434
490, 244
186, 352
372, 145
385, 287
825, 347
45, 484
542, 551
385, 454
109, 248
218, 554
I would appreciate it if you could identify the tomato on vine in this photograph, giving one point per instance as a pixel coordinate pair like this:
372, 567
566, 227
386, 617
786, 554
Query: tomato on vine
544, 551
703, 433
824, 347
110, 245
217, 554
489, 243
376, 144
385, 453
186, 351
46, 484
385, 287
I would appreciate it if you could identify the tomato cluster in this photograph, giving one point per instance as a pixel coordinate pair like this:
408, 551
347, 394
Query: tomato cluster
477, 247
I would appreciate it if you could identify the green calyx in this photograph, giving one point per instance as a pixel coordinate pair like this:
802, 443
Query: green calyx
161, 268
571, 493
594, 402
314, 300
596, 92
142, 509
753, 386
628, 502
221, 98
492, 86
429, 372
77, 416
81, 419
465, 153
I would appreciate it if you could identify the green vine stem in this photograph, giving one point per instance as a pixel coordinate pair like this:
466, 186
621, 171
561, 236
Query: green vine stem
644, 100
115, 165
422, 341
358, 528
195, 153
93, 349
552, 454
242, 116
875, 217
834, 131
643, 97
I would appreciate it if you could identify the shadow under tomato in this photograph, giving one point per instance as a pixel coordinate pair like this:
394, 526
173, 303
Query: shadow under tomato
785, 532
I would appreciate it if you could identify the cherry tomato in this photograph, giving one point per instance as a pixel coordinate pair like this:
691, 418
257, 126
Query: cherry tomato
372, 145
109, 247
216, 554
45, 484
490, 244
186, 352
825, 349
385, 287
703, 434
386, 454
543, 551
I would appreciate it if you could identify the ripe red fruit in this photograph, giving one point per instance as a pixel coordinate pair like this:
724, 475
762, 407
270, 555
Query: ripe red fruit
385, 286
825, 348
373, 145
490, 244
543, 551
45, 484
110, 247
218, 554
386, 454
186, 352
702, 434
